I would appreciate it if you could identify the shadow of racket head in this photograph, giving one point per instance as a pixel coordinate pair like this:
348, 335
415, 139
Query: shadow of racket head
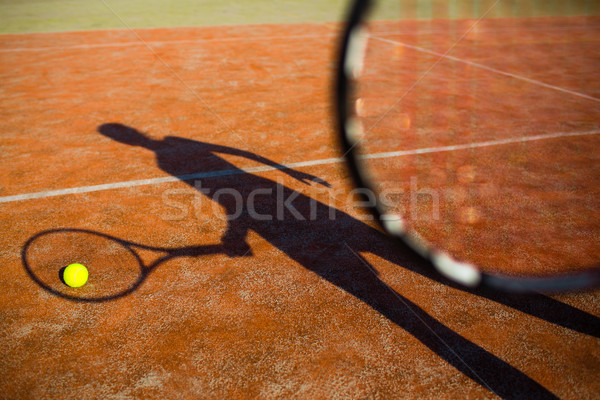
115, 266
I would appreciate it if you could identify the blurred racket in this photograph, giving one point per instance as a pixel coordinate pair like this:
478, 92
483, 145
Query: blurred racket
449, 159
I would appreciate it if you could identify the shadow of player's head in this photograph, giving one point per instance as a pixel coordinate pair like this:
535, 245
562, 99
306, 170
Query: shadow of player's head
127, 135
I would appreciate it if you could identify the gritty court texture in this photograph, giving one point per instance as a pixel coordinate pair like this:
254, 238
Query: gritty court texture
108, 138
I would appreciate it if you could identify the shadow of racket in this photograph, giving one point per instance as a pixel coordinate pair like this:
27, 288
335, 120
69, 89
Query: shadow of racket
116, 266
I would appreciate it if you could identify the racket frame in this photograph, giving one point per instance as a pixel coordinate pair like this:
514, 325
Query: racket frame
351, 52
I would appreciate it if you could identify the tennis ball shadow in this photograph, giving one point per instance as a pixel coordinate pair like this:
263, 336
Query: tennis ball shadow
61, 274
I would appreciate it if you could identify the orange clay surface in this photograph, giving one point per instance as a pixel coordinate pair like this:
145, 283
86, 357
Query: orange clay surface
522, 206
313, 307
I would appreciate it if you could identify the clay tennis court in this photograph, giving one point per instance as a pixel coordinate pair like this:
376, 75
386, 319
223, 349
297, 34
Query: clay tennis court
124, 147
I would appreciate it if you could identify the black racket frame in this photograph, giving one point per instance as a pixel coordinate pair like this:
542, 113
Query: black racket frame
455, 270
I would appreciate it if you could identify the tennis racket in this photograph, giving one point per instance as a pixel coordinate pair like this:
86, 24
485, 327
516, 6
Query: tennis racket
117, 267
462, 149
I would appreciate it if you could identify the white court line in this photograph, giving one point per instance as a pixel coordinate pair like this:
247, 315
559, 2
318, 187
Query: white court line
245, 38
492, 30
153, 28
167, 179
162, 42
476, 145
481, 66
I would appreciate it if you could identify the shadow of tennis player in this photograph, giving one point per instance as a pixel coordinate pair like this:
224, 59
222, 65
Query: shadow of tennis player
329, 242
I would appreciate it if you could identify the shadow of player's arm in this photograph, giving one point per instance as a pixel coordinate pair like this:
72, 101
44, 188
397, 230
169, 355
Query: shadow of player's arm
298, 175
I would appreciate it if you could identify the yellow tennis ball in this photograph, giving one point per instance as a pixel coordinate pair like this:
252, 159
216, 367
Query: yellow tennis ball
75, 275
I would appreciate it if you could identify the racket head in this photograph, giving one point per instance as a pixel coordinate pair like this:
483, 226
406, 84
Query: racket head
366, 115
115, 269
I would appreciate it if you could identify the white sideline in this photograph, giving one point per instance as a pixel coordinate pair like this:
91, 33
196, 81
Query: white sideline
481, 66
161, 42
167, 179
477, 144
